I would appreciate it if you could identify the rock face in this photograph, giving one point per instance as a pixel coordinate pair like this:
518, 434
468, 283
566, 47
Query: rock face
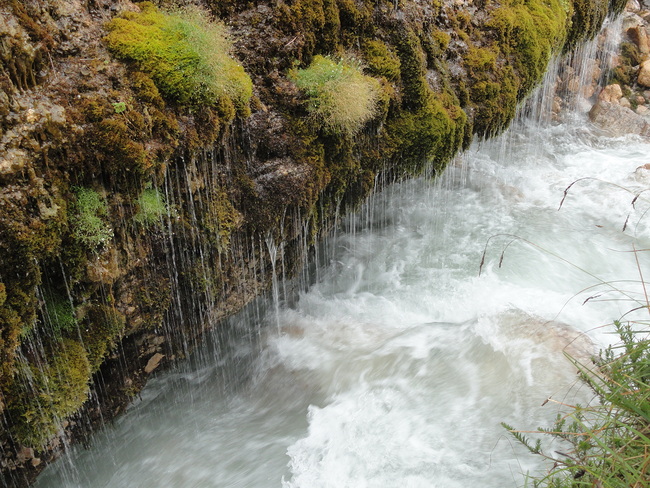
133, 218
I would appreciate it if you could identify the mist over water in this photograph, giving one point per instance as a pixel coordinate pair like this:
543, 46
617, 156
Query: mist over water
396, 367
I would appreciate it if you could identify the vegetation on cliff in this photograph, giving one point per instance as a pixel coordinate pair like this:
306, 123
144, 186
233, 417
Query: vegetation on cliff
339, 94
186, 55
146, 118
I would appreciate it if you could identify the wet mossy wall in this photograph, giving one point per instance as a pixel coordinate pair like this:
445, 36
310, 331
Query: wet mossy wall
133, 215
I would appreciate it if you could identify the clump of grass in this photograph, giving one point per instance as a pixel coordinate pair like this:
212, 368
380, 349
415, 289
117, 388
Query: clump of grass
185, 53
151, 207
340, 96
87, 219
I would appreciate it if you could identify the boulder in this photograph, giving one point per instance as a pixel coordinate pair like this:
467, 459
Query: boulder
616, 120
153, 363
644, 74
611, 93
639, 36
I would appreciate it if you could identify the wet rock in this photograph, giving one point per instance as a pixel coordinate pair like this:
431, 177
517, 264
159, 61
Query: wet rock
639, 36
616, 120
25, 454
105, 268
611, 93
153, 362
644, 74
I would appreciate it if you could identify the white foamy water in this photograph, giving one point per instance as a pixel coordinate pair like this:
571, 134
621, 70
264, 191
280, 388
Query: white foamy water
397, 366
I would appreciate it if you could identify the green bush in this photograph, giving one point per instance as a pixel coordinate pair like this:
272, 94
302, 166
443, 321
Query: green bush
185, 53
151, 207
340, 95
88, 226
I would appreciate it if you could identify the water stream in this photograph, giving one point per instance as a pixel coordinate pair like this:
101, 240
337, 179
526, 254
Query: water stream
397, 365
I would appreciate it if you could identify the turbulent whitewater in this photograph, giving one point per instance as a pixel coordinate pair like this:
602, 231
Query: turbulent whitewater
440, 309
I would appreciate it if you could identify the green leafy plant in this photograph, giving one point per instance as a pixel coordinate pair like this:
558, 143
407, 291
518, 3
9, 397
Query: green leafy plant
151, 207
339, 94
186, 54
87, 219
119, 107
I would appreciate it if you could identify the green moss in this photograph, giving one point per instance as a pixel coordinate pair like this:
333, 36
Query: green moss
427, 126
586, 20
529, 33
26, 240
103, 326
318, 23
339, 94
145, 89
222, 219
153, 299
381, 60
45, 393
87, 219
185, 54
432, 133
415, 88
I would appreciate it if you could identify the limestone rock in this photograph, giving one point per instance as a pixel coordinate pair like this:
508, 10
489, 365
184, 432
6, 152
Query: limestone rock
611, 93
153, 363
639, 36
644, 74
616, 120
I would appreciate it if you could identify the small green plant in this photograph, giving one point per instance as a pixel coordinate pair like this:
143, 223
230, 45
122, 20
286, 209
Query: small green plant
340, 95
87, 219
184, 52
60, 314
119, 107
151, 207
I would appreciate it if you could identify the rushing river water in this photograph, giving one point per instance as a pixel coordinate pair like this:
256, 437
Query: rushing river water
396, 367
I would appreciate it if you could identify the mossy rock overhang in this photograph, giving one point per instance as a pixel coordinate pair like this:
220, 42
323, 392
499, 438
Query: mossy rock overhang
116, 172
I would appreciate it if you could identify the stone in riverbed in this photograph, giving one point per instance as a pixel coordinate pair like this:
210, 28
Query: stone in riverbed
611, 93
616, 120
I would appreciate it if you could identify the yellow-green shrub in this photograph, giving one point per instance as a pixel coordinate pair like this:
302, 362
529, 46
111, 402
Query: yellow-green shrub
184, 52
340, 95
